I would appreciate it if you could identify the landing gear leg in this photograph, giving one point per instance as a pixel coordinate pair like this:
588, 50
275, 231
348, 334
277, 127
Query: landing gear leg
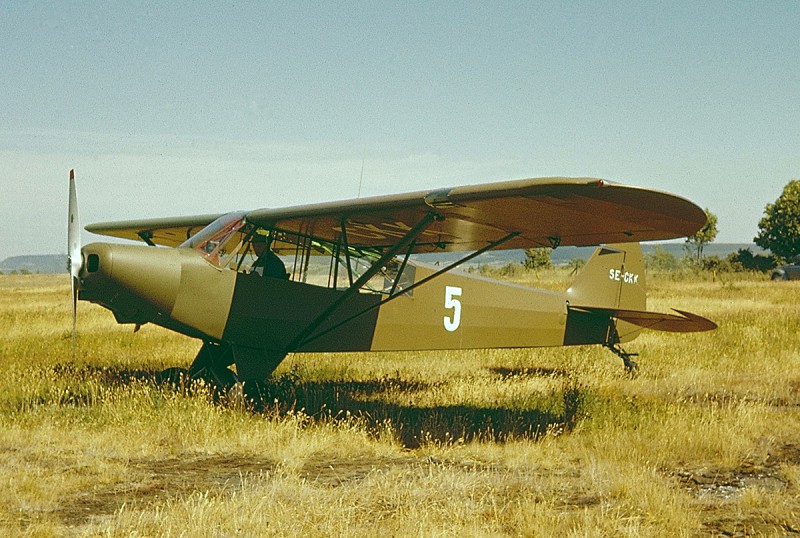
612, 344
630, 366
211, 365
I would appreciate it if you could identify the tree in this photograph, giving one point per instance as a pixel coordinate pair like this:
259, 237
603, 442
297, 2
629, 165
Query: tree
537, 258
705, 235
779, 229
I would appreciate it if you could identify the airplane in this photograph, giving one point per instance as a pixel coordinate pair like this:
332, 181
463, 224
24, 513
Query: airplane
256, 285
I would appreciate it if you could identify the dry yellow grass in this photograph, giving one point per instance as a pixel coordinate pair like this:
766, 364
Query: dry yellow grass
540, 442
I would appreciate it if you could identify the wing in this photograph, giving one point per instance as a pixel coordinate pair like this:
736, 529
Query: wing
536, 212
541, 212
167, 231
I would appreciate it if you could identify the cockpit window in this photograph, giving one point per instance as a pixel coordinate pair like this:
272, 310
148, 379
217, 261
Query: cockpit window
233, 243
384, 280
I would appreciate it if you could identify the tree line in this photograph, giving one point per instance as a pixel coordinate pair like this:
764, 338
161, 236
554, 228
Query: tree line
778, 233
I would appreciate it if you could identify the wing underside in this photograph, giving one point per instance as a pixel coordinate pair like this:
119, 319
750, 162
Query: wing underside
528, 213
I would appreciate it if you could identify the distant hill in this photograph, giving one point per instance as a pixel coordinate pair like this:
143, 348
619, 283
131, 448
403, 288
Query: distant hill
49, 263
562, 255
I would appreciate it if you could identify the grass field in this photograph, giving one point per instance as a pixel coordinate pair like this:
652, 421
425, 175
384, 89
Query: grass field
541, 442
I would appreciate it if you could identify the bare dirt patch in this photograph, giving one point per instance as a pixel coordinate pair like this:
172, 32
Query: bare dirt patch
154, 481
718, 491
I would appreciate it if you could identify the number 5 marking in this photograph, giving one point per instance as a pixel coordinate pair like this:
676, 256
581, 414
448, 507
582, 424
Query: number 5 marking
450, 301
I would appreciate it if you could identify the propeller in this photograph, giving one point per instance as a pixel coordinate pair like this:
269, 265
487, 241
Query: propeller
74, 258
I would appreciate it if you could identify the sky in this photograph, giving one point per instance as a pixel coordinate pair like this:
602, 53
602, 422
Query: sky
171, 109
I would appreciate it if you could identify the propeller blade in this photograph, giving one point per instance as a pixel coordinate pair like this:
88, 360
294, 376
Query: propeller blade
74, 258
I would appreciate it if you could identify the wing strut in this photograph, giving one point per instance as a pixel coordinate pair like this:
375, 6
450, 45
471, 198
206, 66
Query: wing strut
455, 264
393, 295
346, 251
147, 237
402, 268
410, 236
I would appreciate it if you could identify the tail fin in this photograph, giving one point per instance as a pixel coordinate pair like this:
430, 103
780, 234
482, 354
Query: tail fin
613, 278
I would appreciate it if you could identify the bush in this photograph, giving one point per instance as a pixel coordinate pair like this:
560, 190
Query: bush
744, 260
716, 264
576, 264
538, 258
509, 270
662, 260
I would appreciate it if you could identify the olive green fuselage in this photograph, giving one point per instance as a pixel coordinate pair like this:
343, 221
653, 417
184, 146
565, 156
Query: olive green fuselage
256, 315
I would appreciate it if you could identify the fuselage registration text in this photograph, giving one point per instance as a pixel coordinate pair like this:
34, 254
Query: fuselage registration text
626, 277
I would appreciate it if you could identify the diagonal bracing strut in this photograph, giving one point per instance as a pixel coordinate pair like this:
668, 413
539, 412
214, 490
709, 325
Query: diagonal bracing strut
404, 291
410, 236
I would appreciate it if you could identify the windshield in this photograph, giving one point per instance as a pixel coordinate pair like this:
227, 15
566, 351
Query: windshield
219, 240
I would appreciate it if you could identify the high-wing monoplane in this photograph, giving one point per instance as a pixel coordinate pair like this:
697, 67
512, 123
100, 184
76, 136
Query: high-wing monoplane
254, 286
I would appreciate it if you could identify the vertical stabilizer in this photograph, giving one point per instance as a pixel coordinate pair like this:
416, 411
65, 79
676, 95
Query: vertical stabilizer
613, 278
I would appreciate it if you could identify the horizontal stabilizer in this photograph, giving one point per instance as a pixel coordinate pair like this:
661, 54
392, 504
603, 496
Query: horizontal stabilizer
683, 322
